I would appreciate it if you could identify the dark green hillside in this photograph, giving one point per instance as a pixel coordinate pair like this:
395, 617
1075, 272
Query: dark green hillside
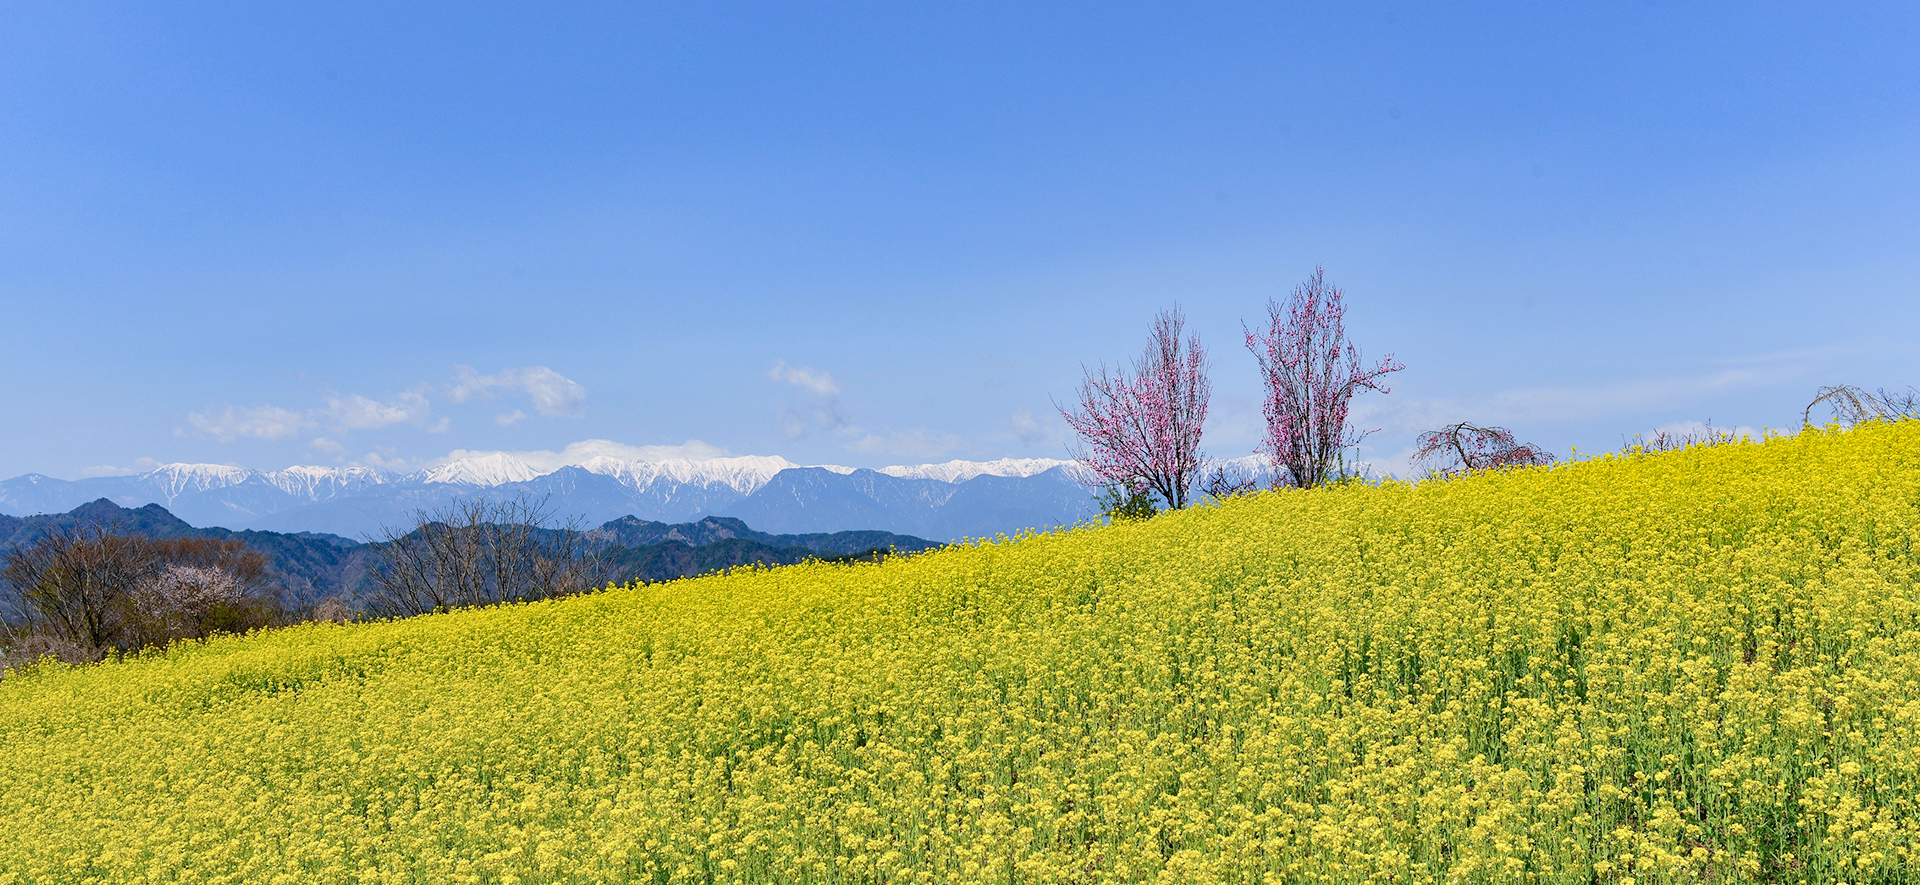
311, 567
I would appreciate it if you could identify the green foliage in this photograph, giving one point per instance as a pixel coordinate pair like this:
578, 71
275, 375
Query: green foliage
1120, 502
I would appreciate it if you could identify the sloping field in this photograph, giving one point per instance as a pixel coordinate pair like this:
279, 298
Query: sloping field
1699, 666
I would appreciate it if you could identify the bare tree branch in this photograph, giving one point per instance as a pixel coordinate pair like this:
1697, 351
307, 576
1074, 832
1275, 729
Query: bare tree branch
480, 552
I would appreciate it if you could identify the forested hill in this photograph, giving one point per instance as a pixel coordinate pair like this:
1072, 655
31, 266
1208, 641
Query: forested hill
309, 567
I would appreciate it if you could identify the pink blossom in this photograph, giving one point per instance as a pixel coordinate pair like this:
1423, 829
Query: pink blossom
1142, 432
1311, 372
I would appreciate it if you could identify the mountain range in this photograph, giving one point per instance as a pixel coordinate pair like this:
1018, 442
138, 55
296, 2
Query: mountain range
308, 567
944, 502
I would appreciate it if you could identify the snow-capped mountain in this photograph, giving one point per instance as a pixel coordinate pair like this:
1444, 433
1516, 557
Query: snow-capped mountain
943, 501
203, 494
960, 471
319, 483
485, 471
744, 474
174, 480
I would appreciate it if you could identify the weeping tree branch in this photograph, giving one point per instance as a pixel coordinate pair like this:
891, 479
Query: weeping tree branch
1464, 448
1851, 405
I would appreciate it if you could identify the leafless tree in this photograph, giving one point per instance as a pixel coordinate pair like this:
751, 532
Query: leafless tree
1229, 479
1463, 447
479, 552
1851, 405
93, 589
72, 583
1673, 440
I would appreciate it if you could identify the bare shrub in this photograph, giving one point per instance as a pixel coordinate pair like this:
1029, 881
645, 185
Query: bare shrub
333, 610
1228, 480
23, 649
1675, 439
479, 552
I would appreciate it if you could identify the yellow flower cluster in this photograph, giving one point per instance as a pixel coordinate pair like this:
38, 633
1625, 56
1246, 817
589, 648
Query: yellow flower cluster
1700, 666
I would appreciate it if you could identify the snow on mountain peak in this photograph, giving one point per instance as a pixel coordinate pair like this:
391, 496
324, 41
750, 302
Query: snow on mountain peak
317, 482
177, 479
496, 469
961, 471
745, 473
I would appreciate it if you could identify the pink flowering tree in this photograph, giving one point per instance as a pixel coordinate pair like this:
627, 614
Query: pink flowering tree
1140, 433
1311, 372
1463, 448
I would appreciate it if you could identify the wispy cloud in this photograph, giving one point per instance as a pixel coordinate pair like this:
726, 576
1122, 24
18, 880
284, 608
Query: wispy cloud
341, 414
1564, 403
259, 422
918, 442
550, 393
818, 382
356, 412
1034, 431
818, 406
553, 394
586, 450
139, 465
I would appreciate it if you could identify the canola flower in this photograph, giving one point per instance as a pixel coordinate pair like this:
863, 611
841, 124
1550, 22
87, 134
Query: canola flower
1701, 666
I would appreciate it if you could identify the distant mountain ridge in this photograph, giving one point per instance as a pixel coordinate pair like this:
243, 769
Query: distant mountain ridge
309, 567
947, 501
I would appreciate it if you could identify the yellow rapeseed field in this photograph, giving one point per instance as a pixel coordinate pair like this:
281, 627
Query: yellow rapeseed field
1701, 666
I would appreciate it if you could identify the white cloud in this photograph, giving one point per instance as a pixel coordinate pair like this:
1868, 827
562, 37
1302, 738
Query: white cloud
546, 460
140, 465
916, 443
385, 458
552, 393
821, 409
323, 444
1530, 405
812, 380
259, 422
341, 414
1031, 431
356, 412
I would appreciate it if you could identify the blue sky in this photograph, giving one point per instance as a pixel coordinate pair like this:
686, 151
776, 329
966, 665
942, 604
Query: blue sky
874, 234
